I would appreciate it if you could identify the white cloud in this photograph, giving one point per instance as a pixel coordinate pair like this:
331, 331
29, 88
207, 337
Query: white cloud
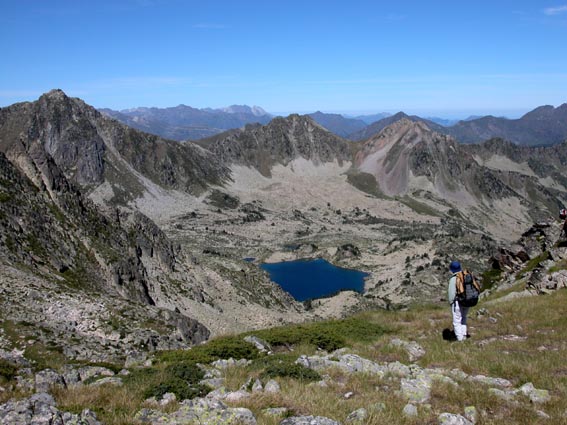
550, 11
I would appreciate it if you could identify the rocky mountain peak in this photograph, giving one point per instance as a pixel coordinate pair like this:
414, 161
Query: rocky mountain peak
279, 142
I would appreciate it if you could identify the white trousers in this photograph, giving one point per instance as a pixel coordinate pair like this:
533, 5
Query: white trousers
460, 320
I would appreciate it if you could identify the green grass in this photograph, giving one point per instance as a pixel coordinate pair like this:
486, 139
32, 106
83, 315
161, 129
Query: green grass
539, 358
532, 264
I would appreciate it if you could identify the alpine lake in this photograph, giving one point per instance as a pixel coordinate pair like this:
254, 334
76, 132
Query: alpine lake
311, 279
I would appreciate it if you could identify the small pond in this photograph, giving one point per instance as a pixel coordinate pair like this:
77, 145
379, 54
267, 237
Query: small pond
307, 279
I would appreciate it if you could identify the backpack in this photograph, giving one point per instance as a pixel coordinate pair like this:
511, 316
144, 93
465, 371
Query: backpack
467, 289
563, 214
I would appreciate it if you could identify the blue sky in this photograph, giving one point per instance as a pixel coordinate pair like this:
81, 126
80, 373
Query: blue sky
446, 58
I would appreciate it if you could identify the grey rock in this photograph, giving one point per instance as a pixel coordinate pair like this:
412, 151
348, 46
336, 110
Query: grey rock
237, 396
417, 390
486, 380
42, 398
358, 416
259, 343
135, 358
213, 382
47, 378
504, 395
309, 420
414, 350
410, 410
471, 413
272, 387
257, 386
167, 398
535, 395
109, 380
89, 372
71, 376
40, 410
542, 414
452, 419
202, 411
276, 411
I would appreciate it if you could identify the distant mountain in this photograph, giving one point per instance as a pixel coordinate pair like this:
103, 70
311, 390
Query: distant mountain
378, 126
337, 123
544, 125
279, 142
186, 123
244, 109
445, 122
369, 119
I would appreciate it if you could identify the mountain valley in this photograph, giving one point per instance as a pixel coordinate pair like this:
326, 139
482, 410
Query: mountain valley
91, 204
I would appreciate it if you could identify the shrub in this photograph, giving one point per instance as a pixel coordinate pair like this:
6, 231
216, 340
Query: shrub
177, 386
220, 348
7, 370
293, 370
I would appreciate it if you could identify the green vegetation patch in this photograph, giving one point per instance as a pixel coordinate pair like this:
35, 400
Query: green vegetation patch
180, 379
366, 183
532, 264
219, 348
419, 207
8, 370
490, 278
328, 335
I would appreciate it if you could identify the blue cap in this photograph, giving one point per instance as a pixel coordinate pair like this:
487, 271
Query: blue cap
455, 267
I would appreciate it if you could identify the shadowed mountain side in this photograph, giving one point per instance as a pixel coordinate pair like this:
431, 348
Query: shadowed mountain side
279, 142
91, 149
338, 124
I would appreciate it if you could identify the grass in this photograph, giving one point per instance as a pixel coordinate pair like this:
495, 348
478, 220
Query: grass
537, 358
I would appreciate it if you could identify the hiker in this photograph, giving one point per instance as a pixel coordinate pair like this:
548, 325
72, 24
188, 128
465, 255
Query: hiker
459, 312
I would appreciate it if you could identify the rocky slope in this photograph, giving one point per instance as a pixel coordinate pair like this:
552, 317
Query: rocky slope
91, 149
409, 158
279, 142
377, 126
389, 367
53, 153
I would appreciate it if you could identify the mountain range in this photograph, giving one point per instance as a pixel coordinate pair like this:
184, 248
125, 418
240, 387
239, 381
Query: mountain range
186, 123
90, 207
544, 125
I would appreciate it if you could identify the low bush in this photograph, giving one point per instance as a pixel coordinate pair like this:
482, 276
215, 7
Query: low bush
328, 335
293, 370
7, 370
220, 348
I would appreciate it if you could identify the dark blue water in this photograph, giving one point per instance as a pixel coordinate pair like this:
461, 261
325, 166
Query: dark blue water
249, 259
306, 279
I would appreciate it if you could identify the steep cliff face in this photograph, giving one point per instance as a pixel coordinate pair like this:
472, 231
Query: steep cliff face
91, 149
279, 142
60, 240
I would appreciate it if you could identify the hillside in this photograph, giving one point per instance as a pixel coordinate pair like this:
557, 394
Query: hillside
373, 368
